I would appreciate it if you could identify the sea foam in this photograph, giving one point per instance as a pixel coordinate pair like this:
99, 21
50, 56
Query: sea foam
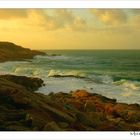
58, 73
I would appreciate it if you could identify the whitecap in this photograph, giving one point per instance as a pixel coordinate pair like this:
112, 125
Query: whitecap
73, 73
134, 85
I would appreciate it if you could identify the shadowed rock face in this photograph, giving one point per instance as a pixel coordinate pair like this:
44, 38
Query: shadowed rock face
29, 83
22, 109
11, 52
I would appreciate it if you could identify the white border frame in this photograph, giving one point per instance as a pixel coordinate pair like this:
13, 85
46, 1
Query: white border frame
69, 4
69, 135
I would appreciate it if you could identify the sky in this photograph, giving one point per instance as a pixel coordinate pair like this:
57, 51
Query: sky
71, 28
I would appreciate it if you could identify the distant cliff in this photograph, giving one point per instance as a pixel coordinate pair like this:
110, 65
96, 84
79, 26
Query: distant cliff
11, 52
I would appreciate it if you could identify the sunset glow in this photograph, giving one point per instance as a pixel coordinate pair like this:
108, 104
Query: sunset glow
71, 28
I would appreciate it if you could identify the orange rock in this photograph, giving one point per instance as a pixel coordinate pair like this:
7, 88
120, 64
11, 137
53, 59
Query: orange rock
100, 107
109, 109
80, 93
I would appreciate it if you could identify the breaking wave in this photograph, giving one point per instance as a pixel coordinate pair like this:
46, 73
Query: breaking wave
134, 85
58, 73
100, 79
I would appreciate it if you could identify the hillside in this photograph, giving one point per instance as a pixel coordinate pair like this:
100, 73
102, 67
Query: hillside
11, 52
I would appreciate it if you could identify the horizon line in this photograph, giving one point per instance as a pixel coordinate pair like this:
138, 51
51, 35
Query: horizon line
89, 49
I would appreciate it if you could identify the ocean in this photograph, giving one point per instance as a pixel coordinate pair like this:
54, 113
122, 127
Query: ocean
112, 73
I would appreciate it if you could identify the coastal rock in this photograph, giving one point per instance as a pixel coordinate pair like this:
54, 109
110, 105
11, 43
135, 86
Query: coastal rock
60, 115
127, 113
22, 109
84, 119
31, 83
11, 52
80, 94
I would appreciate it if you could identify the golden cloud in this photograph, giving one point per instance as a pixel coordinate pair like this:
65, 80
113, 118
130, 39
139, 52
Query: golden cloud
61, 18
110, 17
13, 13
65, 28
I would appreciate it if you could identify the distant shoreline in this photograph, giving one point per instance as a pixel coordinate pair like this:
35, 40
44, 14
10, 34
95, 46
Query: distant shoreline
12, 52
89, 49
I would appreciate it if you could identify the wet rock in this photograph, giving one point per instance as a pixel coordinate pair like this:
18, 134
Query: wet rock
29, 83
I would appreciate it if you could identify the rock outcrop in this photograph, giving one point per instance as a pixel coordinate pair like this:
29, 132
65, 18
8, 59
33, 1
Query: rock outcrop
30, 83
22, 109
11, 52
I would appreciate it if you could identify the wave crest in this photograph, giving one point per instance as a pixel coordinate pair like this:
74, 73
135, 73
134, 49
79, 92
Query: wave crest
134, 85
57, 73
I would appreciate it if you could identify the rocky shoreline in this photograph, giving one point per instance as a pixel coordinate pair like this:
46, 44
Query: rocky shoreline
21, 109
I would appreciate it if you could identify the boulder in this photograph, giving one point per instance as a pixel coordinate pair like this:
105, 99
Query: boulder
30, 83
80, 94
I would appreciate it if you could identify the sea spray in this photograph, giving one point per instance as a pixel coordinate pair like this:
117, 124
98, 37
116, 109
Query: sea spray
58, 73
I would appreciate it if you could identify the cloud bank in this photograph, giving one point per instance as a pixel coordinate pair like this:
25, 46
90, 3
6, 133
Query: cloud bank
72, 28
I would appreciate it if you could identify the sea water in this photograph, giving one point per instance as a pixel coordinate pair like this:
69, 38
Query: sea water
112, 73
